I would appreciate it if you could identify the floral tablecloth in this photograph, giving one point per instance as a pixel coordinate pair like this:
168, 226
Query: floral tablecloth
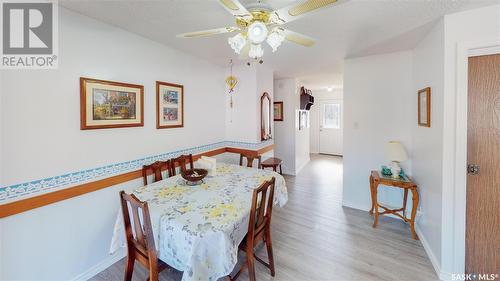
198, 228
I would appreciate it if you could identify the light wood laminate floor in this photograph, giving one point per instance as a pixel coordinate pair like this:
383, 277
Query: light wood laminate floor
315, 238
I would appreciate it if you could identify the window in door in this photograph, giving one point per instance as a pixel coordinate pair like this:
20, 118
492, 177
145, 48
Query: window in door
331, 116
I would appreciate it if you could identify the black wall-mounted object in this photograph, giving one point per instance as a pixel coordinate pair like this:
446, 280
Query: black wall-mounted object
306, 99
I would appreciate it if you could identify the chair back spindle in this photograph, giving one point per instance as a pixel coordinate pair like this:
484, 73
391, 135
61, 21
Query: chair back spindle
262, 208
250, 159
182, 161
140, 241
156, 169
259, 229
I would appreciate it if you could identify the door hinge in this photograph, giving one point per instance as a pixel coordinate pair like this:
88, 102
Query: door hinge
473, 169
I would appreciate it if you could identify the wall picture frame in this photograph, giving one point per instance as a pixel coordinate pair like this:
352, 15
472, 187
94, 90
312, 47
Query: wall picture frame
109, 104
303, 119
424, 107
278, 110
169, 105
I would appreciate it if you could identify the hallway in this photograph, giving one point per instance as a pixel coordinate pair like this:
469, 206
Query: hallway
315, 238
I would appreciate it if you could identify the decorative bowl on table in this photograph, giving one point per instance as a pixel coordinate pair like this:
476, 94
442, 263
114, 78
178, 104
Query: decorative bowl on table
194, 176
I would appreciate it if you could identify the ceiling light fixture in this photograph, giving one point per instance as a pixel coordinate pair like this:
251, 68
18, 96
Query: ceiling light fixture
329, 89
237, 42
257, 32
256, 51
275, 39
258, 22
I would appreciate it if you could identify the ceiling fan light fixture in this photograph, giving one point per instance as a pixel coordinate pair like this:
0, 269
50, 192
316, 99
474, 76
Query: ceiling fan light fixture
237, 42
257, 32
275, 39
256, 51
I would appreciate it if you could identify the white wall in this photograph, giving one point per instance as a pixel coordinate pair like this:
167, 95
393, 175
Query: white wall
1, 157
428, 71
284, 136
1, 130
377, 108
41, 137
432, 150
319, 95
243, 120
478, 27
302, 139
291, 144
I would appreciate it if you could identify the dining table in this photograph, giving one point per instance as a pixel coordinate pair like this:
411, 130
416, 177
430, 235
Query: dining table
197, 229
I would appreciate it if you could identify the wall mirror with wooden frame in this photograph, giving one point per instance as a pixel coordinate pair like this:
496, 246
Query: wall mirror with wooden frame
265, 117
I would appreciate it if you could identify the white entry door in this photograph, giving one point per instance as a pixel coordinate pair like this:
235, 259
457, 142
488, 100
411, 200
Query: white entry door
330, 127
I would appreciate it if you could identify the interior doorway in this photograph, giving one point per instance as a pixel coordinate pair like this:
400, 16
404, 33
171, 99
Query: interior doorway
482, 251
330, 126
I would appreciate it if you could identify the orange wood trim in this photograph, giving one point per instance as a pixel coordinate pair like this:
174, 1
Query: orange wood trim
27, 204
265, 149
248, 152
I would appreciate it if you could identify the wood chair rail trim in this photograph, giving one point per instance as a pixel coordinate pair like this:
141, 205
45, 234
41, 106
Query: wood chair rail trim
23, 205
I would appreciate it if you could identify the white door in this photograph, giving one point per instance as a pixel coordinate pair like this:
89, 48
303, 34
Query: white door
330, 127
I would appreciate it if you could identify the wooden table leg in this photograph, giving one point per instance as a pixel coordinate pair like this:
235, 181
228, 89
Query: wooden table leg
274, 168
415, 199
281, 172
375, 203
405, 198
371, 194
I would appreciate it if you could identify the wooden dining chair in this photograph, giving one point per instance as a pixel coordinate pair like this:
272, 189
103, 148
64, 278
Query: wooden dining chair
250, 159
156, 169
181, 161
140, 242
259, 229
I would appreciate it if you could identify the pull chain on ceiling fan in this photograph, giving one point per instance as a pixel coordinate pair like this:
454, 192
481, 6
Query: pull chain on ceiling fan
258, 23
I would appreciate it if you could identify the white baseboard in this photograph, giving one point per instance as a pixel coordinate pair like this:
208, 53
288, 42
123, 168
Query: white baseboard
442, 275
354, 206
93, 271
302, 166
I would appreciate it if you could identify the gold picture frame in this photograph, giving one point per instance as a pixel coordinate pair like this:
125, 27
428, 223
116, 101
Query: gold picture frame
424, 107
169, 105
278, 111
108, 104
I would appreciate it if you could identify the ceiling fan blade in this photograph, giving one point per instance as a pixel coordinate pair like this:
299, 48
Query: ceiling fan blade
208, 32
298, 38
235, 8
296, 11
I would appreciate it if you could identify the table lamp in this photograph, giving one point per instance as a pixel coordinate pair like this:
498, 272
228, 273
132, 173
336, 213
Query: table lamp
395, 152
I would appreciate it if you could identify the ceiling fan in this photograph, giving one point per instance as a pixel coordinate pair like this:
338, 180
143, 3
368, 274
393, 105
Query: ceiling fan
257, 23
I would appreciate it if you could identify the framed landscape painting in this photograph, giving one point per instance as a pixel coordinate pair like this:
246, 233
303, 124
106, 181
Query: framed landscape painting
424, 107
108, 104
169, 105
278, 111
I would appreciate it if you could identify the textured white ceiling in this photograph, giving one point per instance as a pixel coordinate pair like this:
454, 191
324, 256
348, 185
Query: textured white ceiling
355, 28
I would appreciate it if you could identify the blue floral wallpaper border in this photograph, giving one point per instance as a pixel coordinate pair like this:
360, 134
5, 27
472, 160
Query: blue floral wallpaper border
28, 189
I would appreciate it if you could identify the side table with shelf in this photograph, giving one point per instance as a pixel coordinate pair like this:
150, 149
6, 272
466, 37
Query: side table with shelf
405, 183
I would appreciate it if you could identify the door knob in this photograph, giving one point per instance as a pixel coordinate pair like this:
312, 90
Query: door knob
473, 169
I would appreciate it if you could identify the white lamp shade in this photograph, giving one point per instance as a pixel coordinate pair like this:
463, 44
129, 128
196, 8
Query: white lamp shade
257, 32
395, 151
275, 39
256, 51
237, 42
